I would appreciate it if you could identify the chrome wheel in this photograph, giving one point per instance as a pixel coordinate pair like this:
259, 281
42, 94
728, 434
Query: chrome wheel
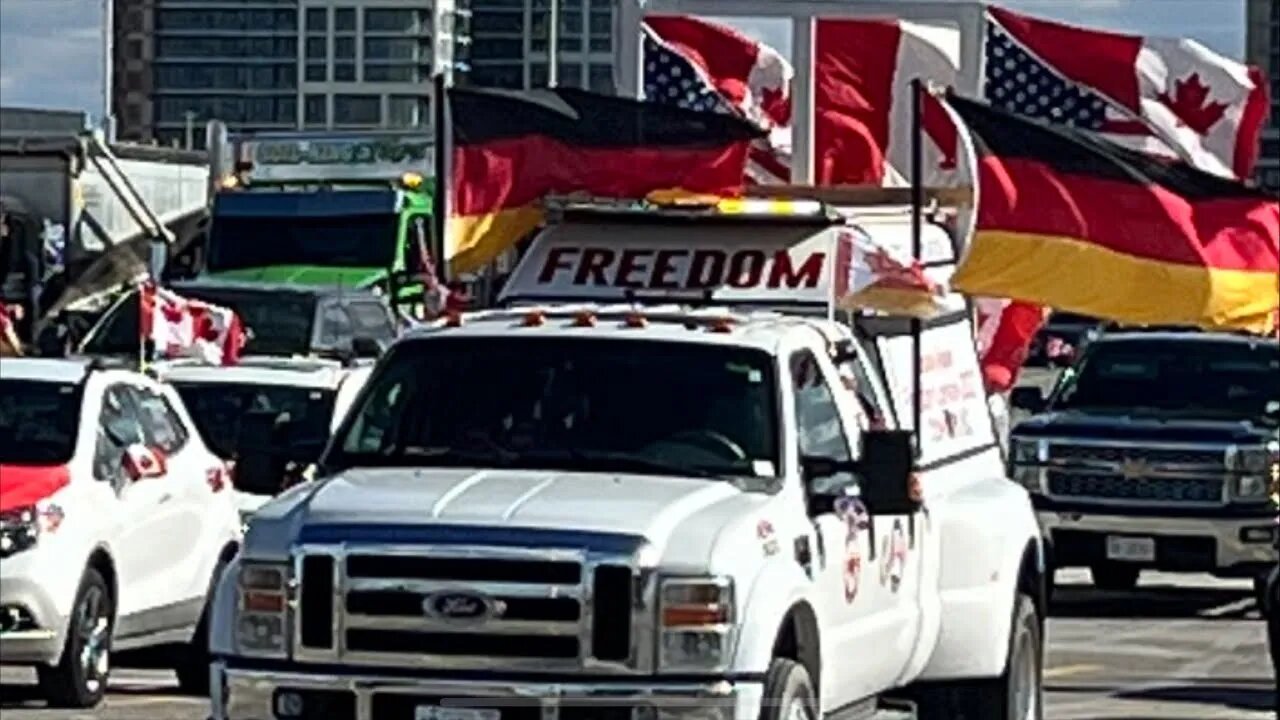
1025, 677
798, 710
93, 620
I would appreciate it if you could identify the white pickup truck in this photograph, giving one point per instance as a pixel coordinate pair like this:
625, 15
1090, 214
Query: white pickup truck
609, 510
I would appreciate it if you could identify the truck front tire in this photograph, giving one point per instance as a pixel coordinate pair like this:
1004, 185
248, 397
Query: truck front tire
788, 692
1018, 694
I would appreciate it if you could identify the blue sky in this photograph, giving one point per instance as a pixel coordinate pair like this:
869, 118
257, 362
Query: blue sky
51, 50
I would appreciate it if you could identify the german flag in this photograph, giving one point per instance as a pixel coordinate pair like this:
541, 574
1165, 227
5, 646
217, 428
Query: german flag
510, 149
1071, 221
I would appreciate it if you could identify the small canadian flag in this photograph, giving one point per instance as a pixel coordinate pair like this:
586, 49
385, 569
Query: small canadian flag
179, 327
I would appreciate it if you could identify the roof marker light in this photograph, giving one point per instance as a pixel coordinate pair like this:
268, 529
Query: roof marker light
535, 318
721, 325
635, 320
585, 318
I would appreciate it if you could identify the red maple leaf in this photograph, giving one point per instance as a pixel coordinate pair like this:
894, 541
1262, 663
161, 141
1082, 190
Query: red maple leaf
1190, 104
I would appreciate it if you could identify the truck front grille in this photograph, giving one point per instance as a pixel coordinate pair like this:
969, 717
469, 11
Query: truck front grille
556, 612
1209, 458
1156, 490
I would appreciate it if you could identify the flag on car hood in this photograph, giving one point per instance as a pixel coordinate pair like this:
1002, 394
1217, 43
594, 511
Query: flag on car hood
1080, 224
511, 149
178, 327
871, 276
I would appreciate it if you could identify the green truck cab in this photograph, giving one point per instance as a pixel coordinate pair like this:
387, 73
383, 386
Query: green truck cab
322, 209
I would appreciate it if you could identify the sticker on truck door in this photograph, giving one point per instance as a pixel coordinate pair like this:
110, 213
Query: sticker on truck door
894, 557
853, 512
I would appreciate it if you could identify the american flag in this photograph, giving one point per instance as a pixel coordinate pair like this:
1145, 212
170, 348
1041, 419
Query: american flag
1016, 81
689, 81
672, 79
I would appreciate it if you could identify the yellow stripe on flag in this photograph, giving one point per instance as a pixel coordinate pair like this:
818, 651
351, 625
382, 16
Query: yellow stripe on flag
477, 240
1083, 277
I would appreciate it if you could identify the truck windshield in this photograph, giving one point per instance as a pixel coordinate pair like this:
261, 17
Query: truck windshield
360, 241
279, 323
1198, 378
217, 408
39, 421
568, 403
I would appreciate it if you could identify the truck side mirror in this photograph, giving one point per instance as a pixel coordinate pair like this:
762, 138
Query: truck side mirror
1030, 399
886, 469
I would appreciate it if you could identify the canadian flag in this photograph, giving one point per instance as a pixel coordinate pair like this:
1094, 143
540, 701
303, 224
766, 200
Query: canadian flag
181, 328
863, 107
1207, 107
1005, 330
873, 277
748, 75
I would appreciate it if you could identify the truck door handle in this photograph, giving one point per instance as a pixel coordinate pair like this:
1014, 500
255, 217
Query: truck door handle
165, 498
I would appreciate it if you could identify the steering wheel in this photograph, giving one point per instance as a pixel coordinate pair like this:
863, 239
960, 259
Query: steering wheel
709, 440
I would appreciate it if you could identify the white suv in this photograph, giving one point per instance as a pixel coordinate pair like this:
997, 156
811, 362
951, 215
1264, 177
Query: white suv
115, 521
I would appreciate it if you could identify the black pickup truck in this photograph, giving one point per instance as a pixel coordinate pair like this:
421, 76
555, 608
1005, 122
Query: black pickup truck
1157, 449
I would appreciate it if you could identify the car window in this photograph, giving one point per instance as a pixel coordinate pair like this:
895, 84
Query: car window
39, 421
119, 426
160, 422
335, 325
818, 425
371, 320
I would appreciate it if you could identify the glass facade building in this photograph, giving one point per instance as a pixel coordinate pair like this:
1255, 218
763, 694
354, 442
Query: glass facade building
262, 65
1262, 19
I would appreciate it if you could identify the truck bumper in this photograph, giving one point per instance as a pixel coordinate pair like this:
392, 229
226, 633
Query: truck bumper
1223, 546
35, 627
242, 694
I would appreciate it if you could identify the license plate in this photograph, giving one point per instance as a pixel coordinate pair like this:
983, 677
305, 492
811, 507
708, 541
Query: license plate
1131, 549
436, 712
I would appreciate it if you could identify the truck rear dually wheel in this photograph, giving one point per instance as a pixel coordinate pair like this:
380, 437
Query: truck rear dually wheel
1018, 694
788, 692
79, 680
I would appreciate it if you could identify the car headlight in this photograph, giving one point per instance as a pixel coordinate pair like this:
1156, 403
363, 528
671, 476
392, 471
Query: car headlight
1026, 461
20, 528
695, 622
263, 607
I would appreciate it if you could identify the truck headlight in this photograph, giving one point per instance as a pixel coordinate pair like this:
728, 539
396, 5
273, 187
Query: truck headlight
263, 608
695, 624
20, 528
1257, 471
1026, 462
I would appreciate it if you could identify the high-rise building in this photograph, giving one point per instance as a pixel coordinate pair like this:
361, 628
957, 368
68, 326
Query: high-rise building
510, 43
1263, 49
263, 65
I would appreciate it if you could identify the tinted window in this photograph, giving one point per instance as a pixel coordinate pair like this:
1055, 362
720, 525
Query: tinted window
39, 421
119, 426
360, 241
1193, 377
279, 323
821, 433
371, 320
589, 404
161, 423
335, 325
217, 408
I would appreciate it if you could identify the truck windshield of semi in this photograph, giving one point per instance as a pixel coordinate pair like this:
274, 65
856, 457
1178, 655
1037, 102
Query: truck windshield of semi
321, 209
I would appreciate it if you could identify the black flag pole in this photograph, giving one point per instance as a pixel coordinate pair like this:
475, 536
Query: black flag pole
443, 171
917, 210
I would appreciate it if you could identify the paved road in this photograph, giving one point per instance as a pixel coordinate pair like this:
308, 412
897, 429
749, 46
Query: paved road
1179, 648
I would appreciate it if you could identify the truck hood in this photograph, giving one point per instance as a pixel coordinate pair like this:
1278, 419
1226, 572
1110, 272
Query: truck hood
684, 515
354, 277
1079, 425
